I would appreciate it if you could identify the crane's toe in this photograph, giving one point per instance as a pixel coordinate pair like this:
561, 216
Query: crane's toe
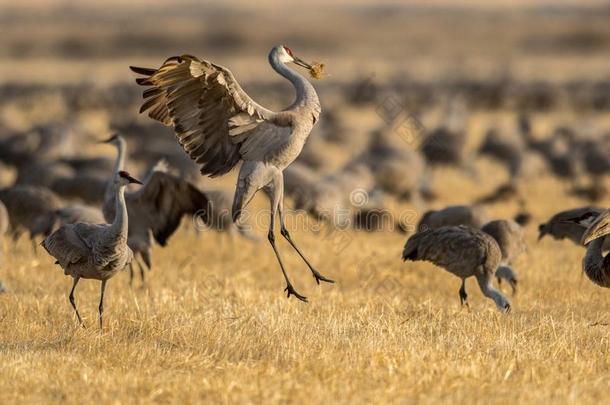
320, 277
291, 291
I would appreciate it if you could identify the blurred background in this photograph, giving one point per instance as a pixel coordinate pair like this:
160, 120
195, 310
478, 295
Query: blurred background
500, 107
487, 94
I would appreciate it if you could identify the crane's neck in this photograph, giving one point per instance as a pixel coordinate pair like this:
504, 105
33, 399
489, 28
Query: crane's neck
119, 164
594, 265
490, 292
120, 224
120, 161
306, 95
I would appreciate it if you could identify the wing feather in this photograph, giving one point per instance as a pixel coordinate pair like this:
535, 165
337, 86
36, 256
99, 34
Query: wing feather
162, 202
206, 106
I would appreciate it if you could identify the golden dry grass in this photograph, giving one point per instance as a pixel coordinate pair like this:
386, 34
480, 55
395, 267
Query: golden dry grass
212, 325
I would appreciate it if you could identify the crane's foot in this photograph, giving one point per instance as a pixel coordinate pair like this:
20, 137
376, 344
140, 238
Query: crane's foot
291, 291
320, 277
464, 300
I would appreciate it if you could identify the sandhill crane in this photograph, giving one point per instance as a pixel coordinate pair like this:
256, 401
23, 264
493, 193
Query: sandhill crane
42, 142
446, 145
595, 228
94, 251
560, 226
507, 150
470, 215
29, 208
41, 173
219, 125
511, 239
156, 209
390, 160
70, 214
333, 197
463, 251
88, 188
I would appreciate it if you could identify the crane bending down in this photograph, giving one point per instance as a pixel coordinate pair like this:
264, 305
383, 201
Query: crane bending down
463, 251
218, 125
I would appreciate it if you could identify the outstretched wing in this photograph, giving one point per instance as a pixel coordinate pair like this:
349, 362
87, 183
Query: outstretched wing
206, 106
160, 204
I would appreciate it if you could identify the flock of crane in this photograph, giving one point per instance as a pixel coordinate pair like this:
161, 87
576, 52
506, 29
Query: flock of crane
221, 128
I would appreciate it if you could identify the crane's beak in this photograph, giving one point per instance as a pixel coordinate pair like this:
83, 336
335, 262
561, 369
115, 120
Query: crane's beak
301, 62
108, 140
133, 180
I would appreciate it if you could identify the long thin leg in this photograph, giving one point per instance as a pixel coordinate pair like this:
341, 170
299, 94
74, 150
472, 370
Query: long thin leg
131, 274
289, 288
252, 177
71, 297
319, 277
463, 295
142, 273
101, 308
146, 257
274, 192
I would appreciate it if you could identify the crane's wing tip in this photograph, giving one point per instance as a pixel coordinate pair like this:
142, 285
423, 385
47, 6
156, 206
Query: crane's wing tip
142, 71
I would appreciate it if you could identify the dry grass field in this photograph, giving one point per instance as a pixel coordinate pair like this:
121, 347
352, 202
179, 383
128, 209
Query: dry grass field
211, 324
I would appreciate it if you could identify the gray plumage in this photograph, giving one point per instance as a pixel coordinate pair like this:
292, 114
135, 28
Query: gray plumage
84, 187
511, 239
70, 214
560, 226
156, 209
463, 251
74, 213
94, 251
469, 215
41, 173
218, 125
334, 198
446, 145
398, 169
30, 208
595, 265
507, 150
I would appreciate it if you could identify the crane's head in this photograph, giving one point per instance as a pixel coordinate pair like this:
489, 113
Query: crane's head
283, 54
123, 178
